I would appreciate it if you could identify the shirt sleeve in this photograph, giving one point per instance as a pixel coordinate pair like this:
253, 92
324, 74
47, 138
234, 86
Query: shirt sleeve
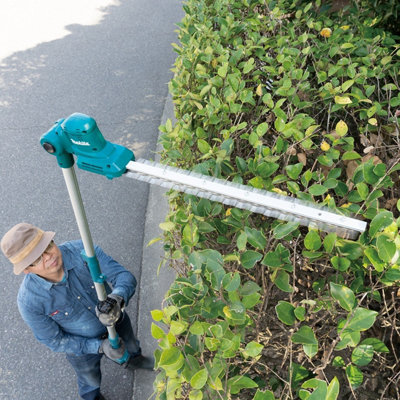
49, 333
122, 281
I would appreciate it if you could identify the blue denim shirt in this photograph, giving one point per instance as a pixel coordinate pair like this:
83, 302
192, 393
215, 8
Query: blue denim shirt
62, 315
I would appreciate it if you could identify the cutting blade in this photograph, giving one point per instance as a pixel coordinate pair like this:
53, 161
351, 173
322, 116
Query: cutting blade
259, 201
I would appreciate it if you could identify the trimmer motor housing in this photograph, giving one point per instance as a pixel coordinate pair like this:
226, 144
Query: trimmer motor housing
78, 134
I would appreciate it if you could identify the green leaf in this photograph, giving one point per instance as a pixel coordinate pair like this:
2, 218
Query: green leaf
285, 312
350, 155
167, 226
362, 190
249, 258
386, 248
340, 263
306, 337
266, 169
237, 383
298, 373
342, 100
252, 349
347, 84
171, 359
268, 395
349, 338
231, 283
329, 242
362, 355
294, 170
279, 124
251, 300
380, 221
222, 71
157, 315
157, 332
197, 328
241, 241
386, 60
377, 345
391, 275
374, 258
262, 129
217, 331
249, 288
317, 190
199, 379
281, 280
248, 66
341, 128
343, 295
190, 235
354, 375
333, 389
178, 327
338, 362
312, 241
203, 146
255, 238
277, 258
300, 313
321, 389
361, 319
282, 230
194, 394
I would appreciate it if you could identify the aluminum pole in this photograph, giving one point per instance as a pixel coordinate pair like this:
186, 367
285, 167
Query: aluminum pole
83, 226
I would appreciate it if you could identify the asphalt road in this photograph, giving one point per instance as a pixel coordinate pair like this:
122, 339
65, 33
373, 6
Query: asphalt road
117, 72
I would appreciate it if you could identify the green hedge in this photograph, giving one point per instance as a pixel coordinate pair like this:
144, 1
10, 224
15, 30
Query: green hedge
261, 308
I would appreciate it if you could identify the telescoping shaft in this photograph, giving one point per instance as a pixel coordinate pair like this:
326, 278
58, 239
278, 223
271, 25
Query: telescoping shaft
89, 255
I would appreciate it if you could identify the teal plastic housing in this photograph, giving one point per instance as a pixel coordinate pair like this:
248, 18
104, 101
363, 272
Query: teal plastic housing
79, 135
94, 268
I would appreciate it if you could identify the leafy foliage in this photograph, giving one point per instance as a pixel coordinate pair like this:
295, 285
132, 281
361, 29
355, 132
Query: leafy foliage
264, 309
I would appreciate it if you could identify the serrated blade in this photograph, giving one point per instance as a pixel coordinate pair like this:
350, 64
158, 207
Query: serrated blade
245, 197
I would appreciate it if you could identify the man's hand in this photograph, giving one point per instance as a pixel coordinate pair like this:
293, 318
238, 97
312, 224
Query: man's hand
108, 311
110, 352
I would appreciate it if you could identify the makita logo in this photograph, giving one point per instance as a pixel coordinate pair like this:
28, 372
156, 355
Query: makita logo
80, 143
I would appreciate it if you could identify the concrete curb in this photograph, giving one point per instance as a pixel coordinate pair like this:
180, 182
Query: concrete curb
152, 288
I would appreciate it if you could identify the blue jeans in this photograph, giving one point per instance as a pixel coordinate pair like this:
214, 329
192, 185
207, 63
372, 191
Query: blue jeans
87, 366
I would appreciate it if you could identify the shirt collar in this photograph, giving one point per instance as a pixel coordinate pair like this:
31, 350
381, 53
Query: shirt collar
67, 262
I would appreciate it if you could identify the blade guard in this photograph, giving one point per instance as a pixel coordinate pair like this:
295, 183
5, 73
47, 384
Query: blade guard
78, 134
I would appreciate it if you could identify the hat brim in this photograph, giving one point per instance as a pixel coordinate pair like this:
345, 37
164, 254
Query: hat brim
35, 253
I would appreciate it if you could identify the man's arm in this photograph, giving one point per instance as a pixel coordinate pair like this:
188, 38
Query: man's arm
49, 333
122, 281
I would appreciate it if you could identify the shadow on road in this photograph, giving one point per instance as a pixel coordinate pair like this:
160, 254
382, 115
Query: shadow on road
117, 72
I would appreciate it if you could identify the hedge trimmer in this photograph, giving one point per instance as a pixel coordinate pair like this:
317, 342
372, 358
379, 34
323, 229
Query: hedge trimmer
79, 135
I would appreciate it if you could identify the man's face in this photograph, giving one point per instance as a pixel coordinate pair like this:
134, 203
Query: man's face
49, 266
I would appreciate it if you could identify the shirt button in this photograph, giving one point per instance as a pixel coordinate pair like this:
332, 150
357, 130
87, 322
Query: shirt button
79, 297
66, 313
92, 287
89, 308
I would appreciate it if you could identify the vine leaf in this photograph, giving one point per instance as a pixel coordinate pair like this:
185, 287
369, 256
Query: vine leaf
354, 375
343, 295
306, 337
285, 312
199, 379
362, 355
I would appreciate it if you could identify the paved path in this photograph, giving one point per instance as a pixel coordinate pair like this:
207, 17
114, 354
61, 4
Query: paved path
115, 70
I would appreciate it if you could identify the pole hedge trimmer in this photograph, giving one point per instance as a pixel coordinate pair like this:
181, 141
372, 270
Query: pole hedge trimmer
79, 135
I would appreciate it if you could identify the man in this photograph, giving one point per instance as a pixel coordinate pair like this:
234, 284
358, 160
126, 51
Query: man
58, 301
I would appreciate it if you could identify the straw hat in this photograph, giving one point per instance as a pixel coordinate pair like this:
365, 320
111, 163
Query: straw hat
23, 244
